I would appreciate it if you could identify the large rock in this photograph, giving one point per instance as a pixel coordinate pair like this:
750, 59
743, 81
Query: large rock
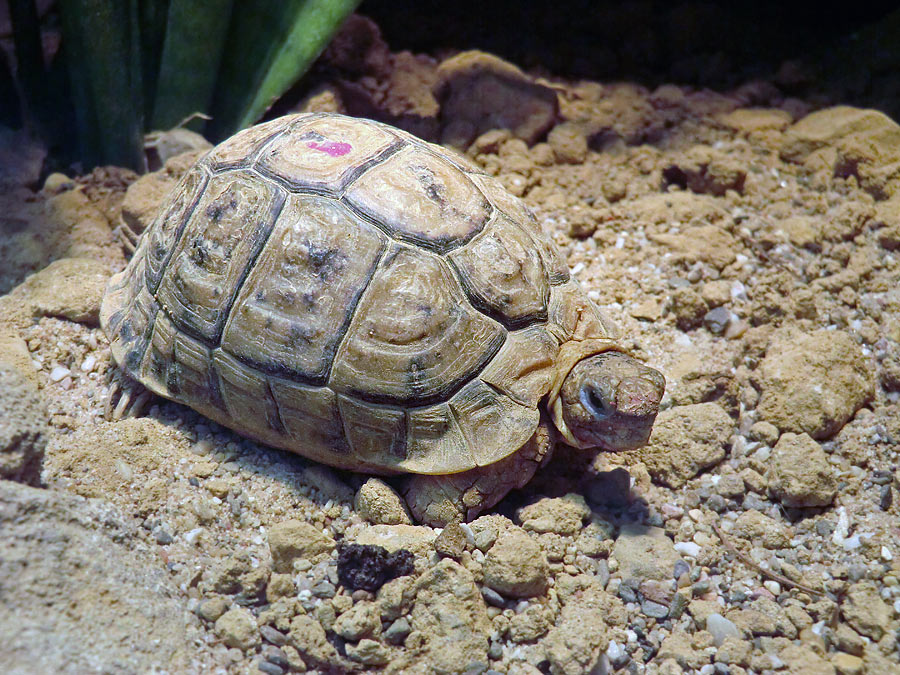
866, 611
575, 643
813, 382
686, 439
82, 593
479, 92
515, 565
799, 473
450, 616
645, 553
23, 427
71, 288
291, 540
848, 141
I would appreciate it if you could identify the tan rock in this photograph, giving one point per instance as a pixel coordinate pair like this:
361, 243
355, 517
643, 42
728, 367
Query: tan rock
369, 652
362, 620
291, 540
814, 382
71, 288
734, 651
378, 502
308, 637
450, 614
515, 565
480, 92
865, 611
705, 170
562, 515
748, 120
237, 628
644, 553
677, 646
575, 643
846, 140
801, 660
451, 542
799, 473
686, 439
417, 539
847, 664
23, 426
757, 528
568, 142
702, 243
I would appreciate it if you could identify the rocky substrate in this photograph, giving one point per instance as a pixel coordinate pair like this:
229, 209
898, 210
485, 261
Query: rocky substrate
747, 246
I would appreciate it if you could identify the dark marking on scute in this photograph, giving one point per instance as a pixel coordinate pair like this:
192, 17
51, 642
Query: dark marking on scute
434, 190
199, 251
133, 359
260, 296
273, 413
325, 261
300, 332
215, 388
399, 447
115, 320
172, 377
127, 331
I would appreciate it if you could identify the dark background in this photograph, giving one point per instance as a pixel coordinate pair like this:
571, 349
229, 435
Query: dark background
849, 52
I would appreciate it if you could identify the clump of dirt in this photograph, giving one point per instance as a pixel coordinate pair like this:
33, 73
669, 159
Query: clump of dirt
748, 252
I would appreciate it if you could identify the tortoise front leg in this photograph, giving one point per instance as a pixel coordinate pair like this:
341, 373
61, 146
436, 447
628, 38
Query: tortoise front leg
438, 500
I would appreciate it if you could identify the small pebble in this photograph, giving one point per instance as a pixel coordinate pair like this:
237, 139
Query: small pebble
688, 548
397, 631
717, 320
654, 609
323, 589
492, 597
273, 635
720, 628
269, 668
59, 373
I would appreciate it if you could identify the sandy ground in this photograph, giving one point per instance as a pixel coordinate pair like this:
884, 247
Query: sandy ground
746, 245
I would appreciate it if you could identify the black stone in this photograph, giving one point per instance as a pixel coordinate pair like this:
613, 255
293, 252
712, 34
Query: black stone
370, 567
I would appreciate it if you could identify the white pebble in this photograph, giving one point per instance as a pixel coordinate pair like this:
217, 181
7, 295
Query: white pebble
615, 652
897, 606
88, 364
886, 554
851, 543
191, 536
773, 587
578, 268
708, 669
688, 548
630, 635
842, 527
720, 628
58, 373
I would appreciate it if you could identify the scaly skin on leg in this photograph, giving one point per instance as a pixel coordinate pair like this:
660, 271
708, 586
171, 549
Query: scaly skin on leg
438, 500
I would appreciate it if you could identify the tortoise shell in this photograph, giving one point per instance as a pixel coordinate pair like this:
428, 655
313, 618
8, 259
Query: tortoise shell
343, 290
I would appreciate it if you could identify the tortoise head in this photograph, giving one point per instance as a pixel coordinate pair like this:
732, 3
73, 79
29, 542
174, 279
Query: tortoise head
610, 400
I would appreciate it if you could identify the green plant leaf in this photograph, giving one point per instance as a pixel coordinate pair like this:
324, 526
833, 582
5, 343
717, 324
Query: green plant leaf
194, 42
101, 43
152, 17
271, 44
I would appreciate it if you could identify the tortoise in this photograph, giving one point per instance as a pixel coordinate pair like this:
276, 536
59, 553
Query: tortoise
341, 289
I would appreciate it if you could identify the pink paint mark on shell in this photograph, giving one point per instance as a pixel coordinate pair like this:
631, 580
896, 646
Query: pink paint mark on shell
335, 149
